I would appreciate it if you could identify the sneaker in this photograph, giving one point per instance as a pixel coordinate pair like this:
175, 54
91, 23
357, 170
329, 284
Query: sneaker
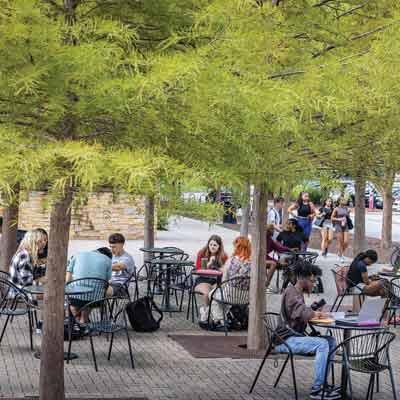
325, 253
269, 290
342, 260
317, 395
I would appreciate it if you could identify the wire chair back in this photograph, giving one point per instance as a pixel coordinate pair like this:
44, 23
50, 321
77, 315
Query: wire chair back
99, 287
271, 322
234, 291
5, 275
107, 314
11, 297
366, 351
395, 291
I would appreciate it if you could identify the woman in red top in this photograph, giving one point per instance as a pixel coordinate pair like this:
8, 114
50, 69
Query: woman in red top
273, 245
213, 253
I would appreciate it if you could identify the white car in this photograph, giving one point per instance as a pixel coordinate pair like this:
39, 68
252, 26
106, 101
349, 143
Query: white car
396, 205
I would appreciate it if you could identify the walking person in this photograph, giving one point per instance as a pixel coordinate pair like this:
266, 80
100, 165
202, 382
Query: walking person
340, 216
274, 216
305, 214
325, 213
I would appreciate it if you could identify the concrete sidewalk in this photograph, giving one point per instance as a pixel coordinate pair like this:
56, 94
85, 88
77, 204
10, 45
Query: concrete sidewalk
164, 370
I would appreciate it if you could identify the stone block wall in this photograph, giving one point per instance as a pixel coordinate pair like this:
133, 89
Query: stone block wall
102, 214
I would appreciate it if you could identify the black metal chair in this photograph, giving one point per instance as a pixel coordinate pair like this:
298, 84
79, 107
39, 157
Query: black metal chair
4, 275
349, 289
14, 302
131, 284
272, 321
108, 315
393, 303
367, 353
231, 292
98, 285
182, 282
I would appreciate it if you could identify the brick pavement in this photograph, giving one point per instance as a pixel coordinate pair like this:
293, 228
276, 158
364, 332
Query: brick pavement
164, 370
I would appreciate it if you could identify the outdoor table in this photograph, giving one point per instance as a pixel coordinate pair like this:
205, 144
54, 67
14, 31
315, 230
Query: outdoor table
69, 291
169, 264
388, 274
347, 329
301, 254
209, 273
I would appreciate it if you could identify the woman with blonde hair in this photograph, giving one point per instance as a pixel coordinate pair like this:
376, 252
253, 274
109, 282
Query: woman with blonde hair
26, 258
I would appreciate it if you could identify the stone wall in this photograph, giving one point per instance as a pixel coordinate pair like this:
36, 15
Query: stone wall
101, 215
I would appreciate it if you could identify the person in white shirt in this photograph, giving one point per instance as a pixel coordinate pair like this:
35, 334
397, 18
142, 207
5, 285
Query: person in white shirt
123, 265
274, 216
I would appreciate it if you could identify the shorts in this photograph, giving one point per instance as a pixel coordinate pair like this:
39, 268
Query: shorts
78, 303
119, 290
205, 279
327, 225
339, 228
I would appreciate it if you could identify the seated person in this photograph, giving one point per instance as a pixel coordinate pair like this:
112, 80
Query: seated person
296, 316
273, 245
358, 274
239, 265
291, 236
214, 257
25, 260
123, 265
88, 264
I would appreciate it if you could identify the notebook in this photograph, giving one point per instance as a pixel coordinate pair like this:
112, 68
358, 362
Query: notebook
370, 313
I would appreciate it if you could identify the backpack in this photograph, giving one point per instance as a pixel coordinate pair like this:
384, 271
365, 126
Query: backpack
238, 317
140, 315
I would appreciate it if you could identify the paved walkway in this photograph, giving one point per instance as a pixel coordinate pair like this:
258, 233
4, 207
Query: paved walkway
164, 370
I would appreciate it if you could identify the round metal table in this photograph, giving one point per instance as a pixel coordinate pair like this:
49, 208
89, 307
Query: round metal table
169, 264
347, 329
69, 291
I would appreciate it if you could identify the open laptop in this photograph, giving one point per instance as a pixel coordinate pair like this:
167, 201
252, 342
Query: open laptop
370, 313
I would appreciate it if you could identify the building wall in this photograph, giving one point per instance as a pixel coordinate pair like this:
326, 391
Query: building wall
101, 215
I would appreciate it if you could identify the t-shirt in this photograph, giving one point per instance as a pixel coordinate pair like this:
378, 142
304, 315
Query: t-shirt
274, 217
355, 271
120, 277
90, 264
293, 240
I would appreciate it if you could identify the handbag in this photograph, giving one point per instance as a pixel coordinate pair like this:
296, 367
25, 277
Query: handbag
350, 224
319, 222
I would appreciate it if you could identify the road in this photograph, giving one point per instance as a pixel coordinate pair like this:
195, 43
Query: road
373, 225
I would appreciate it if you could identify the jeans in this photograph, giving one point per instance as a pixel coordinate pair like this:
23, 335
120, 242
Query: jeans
318, 345
306, 224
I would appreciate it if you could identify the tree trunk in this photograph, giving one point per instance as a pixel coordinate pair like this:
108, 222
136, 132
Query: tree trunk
359, 242
387, 218
256, 333
244, 224
9, 233
285, 213
148, 223
52, 352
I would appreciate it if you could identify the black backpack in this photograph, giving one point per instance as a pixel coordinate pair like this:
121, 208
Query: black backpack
140, 315
238, 317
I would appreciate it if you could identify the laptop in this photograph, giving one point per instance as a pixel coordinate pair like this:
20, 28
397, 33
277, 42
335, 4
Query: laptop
370, 313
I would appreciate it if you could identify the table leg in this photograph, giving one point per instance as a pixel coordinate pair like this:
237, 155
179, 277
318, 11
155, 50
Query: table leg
344, 377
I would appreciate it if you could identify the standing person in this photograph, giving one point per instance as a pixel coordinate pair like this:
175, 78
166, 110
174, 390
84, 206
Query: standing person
305, 214
25, 260
325, 212
123, 265
339, 218
296, 316
214, 257
274, 216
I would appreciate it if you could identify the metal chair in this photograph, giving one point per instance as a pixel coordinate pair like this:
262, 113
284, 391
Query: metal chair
108, 315
5, 275
232, 292
350, 289
368, 354
393, 304
14, 302
272, 321
182, 282
98, 285
131, 282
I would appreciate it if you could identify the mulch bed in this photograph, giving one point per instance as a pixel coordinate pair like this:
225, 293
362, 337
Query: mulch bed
213, 346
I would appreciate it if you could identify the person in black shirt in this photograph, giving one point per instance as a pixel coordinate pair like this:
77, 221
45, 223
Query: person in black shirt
292, 235
325, 213
358, 274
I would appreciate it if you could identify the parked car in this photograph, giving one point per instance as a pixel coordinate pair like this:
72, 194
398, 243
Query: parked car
396, 205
